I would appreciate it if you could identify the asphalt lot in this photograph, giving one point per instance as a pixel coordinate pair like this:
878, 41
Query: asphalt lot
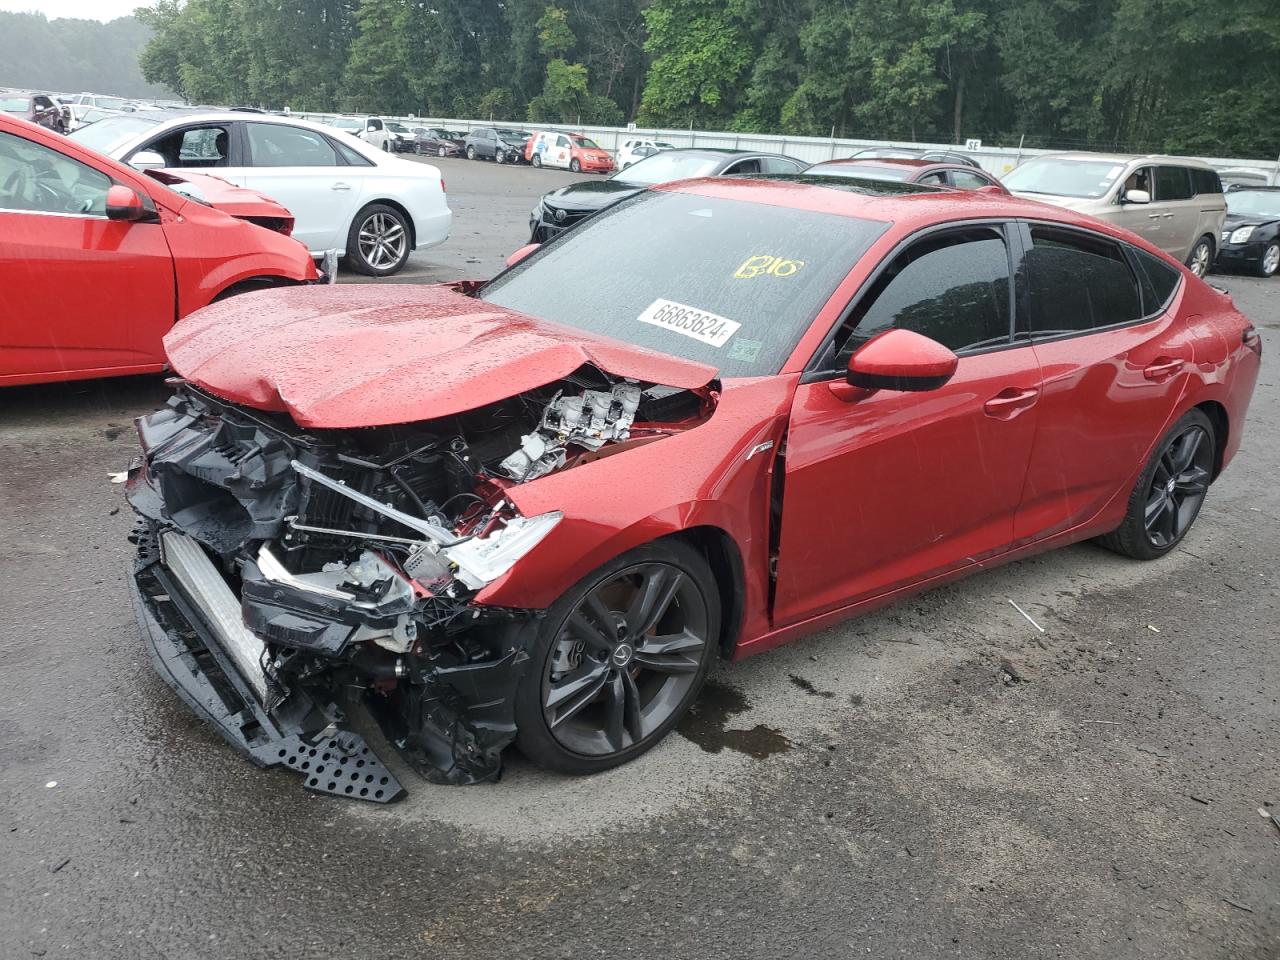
875, 790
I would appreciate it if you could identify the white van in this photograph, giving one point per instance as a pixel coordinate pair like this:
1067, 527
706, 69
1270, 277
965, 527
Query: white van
633, 151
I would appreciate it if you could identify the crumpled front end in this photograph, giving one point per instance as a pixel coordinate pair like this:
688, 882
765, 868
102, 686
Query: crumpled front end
284, 575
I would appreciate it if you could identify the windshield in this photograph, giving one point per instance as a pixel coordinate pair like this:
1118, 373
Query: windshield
665, 167
586, 143
396, 127
346, 123
1063, 177
511, 134
15, 104
860, 171
1254, 203
111, 103
724, 282
110, 133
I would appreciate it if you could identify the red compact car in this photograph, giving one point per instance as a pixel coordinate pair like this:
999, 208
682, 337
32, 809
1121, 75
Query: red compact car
537, 509
958, 176
99, 260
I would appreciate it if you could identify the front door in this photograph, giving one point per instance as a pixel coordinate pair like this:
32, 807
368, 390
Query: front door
887, 489
81, 294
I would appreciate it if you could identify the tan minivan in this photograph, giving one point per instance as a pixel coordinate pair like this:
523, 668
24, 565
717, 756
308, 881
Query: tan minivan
1172, 202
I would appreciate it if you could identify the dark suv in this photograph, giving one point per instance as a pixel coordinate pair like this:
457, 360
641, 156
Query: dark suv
39, 108
495, 143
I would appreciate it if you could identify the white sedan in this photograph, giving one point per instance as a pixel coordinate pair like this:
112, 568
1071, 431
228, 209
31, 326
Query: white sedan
345, 195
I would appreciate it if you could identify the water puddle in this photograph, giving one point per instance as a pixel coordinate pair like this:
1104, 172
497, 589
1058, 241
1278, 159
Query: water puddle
706, 725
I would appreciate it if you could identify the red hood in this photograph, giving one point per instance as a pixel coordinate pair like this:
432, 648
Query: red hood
364, 356
240, 202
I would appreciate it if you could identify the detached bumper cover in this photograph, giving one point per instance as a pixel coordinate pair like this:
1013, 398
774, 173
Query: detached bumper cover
299, 734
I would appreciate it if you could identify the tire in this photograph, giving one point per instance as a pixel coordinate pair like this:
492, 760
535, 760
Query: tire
500, 156
1201, 257
374, 247
1269, 262
608, 689
537, 160
471, 153
1176, 480
575, 166
441, 152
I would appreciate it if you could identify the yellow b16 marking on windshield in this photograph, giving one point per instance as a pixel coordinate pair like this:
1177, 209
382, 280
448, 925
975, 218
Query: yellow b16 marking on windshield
764, 265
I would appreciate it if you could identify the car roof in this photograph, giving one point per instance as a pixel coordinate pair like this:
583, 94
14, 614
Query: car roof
1124, 158
911, 206
1257, 189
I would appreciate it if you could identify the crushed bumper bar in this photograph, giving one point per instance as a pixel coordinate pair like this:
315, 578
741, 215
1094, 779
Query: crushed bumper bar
183, 642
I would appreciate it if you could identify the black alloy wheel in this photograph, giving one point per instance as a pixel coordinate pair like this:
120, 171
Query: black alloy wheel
1170, 492
619, 659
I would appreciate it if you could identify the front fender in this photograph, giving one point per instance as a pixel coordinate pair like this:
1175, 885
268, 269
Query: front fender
707, 476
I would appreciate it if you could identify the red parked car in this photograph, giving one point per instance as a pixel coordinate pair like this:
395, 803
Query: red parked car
959, 176
100, 260
537, 509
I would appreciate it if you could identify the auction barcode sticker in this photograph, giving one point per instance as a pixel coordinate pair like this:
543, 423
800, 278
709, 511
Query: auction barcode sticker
679, 318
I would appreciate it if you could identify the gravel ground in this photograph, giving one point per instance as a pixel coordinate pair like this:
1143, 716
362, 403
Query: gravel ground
876, 790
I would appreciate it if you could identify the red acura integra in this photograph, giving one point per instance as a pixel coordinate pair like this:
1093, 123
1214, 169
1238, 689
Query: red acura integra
98, 260
715, 417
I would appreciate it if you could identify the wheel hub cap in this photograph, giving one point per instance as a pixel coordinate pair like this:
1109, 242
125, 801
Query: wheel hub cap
622, 655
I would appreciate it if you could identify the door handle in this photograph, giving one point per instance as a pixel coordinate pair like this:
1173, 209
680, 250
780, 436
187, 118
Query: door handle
1154, 216
1162, 368
341, 186
1168, 216
1010, 402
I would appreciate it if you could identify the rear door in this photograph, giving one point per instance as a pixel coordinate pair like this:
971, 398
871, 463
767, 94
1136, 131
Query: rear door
304, 171
1179, 210
1115, 365
80, 293
887, 489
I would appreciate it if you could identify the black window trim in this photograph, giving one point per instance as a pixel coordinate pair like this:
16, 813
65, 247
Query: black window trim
1130, 258
814, 372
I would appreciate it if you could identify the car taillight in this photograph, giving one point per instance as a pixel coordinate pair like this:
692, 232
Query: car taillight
442, 184
1252, 339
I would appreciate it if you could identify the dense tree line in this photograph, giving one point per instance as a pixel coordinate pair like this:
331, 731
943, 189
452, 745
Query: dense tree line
68, 56
1176, 75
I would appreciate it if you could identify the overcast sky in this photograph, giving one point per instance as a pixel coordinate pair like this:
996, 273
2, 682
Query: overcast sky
85, 9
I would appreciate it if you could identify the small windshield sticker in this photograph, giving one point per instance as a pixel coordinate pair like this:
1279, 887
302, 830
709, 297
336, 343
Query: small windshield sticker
690, 321
765, 265
745, 350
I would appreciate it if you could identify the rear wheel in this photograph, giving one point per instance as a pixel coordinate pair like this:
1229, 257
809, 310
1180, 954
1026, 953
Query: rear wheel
618, 660
537, 160
1168, 495
378, 241
1270, 261
1201, 257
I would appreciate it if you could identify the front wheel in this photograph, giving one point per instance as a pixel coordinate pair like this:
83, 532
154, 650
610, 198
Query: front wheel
378, 241
575, 166
500, 156
440, 152
1270, 261
618, 660
471, 153
1168, 495
1201, 257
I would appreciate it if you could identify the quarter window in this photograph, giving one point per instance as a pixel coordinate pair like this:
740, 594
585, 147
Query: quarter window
1205, 181
778, 165
36, 179
276, 145
1078, 282
965, 180
953, 288
1158, 279
1173, 183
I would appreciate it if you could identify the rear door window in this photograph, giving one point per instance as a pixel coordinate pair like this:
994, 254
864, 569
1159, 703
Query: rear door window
277, 145
1173, 183
1078, 282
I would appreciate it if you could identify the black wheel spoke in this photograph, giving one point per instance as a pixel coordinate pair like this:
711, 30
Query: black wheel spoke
1155, 507
631, 708
674, 643
669, 663
653, 600
590, 634
616, 711
1192, 482
570, 696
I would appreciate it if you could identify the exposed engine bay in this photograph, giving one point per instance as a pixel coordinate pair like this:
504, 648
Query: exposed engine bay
284, 573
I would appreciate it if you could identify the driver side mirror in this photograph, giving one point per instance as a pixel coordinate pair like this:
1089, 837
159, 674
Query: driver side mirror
147, 160
901, 360
523, 252
1137, 196
123, 203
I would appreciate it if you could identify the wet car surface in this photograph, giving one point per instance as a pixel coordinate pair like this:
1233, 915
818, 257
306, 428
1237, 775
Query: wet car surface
957, 809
